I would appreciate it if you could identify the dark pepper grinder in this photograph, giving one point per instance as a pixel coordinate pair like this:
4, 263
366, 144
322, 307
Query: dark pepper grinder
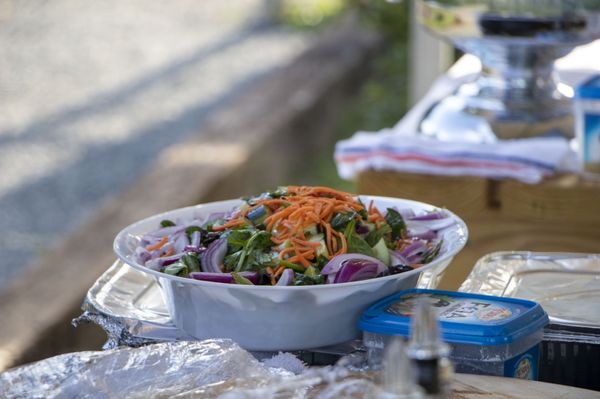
429, 354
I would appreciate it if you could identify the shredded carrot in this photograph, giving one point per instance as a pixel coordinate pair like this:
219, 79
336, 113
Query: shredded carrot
271, 273
278, 271
301, 208
229, 224
286, 251
328, 235
170, 252
158, 245
344, 248
306, 243
334, 242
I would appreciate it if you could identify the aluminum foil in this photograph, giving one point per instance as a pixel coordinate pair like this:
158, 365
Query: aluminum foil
157, 371
128, 305
567, 285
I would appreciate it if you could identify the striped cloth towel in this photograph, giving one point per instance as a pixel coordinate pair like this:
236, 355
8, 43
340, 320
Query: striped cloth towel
527, 160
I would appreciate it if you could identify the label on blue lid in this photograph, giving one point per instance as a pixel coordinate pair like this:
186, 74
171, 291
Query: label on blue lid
457, 309
524, 365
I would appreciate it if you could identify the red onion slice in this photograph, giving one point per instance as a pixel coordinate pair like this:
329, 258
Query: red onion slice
212, 258
165, 231
190, 248
195, 241
180, 242
356, 270
337, 263
286, 278
142, 255
435, 220
439, 214
421, 232
413, 249
398, 259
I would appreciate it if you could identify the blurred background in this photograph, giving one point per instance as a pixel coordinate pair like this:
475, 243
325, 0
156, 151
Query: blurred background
91, 93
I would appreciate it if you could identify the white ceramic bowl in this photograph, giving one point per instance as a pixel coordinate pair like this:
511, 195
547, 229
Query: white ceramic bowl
270, 318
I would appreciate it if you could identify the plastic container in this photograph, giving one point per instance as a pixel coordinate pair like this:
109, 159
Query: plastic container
487, 335
587, 120
567, 285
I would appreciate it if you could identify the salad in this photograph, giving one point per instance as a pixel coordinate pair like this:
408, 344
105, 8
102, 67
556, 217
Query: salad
295, 235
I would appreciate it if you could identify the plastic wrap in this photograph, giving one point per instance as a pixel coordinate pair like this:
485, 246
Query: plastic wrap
200, 369
315, 383
158, 370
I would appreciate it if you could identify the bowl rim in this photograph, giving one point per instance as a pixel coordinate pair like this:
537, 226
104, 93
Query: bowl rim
459, 225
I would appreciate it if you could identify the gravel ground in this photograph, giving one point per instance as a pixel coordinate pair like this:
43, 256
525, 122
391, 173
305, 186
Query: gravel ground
91, 91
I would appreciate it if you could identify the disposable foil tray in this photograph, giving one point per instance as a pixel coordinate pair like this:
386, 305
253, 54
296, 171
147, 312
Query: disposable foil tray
567, 285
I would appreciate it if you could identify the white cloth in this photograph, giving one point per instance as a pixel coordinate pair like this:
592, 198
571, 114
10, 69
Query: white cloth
400, 149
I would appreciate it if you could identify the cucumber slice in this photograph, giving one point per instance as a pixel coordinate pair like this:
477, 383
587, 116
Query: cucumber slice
382, 252
311, 230
322, 249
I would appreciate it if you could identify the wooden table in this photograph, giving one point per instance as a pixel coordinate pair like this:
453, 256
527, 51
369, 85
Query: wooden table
468, 386
561, 214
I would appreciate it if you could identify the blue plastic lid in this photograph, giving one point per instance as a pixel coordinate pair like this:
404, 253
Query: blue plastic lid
589, 89
464, 318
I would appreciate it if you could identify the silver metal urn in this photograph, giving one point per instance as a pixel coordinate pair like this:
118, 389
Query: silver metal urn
517, 41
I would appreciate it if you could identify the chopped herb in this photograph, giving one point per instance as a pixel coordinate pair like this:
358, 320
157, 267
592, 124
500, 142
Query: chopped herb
341, 220
377, 234
250, 247
293, 266
280, 192
191, 261
166, 223
238, 238
177, 269
431, 253
396, 222
363, 214
355, 243
230, 261
239, 279
311, 271
321, 261
303, 279
190, 230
